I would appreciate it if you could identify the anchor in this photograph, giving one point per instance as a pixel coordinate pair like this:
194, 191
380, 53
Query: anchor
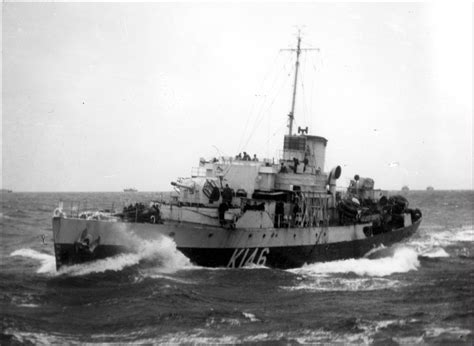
86, 243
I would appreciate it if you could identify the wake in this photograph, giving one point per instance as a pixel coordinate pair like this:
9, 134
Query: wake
403, 260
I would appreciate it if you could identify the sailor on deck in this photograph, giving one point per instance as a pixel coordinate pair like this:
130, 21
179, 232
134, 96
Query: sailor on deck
227, 194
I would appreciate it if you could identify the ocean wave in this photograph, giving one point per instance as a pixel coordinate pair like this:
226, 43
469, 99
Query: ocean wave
450, 237
435, 253
2, 216
432, 242
161, 253
329, 283
364, 332
39, 338
250, 316
456, 332
374, 251
371, 272
403, 259
47, 262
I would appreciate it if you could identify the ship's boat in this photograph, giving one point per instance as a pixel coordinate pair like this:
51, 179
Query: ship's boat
235, 211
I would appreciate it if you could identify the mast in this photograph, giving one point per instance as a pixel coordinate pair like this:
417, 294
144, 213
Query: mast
297, 65
291, 115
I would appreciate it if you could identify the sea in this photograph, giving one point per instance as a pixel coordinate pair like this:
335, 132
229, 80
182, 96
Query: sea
419, 291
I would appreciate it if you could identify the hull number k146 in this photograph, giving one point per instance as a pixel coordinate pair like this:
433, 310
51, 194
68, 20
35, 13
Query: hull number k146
244, 257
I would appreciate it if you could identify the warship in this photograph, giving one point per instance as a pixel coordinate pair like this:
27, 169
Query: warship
238, 211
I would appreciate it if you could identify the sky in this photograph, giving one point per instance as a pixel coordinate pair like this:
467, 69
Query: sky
100, 97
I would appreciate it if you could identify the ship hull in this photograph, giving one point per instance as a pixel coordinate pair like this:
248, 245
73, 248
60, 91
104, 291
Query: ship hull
218, 247
286, 257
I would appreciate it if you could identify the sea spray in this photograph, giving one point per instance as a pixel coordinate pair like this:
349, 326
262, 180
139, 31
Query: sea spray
371, 273
435, 253
161, 252
403, 260
48, 263
431, 242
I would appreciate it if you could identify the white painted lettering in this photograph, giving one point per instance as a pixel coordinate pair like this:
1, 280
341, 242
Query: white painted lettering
243, 258
241, 254
263, 259
235, 255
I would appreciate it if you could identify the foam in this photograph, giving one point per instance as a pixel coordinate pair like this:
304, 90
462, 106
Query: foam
434, 332
363, 334
463, 234
375, 250
254, 266
161, 252
435, 253
23, 337
2, 216
404, 259
250, 316
327, 284
306, 336
48, 262
28, 305
431, 243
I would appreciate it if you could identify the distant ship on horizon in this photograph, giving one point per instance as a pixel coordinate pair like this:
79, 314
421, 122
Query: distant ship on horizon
430, 188
130, 189
405, 188
6, 190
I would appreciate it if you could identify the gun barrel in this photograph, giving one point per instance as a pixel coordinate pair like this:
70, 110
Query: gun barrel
182, 186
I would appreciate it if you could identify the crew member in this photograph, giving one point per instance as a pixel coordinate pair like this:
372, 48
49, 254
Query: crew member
227, 195
296, 162
305, 162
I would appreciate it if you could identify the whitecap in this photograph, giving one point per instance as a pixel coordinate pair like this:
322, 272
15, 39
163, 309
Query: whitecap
332, 284
28, 305
47, 262
435, 253
250, 316
434, 332
463, 234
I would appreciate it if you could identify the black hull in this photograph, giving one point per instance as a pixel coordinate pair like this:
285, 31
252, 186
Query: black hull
296, 256
283, 257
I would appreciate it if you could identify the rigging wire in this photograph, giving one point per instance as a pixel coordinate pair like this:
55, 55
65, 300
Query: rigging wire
312, 93
305, 104
262, 105
285, 81
267, 74
261, 114
305, 108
